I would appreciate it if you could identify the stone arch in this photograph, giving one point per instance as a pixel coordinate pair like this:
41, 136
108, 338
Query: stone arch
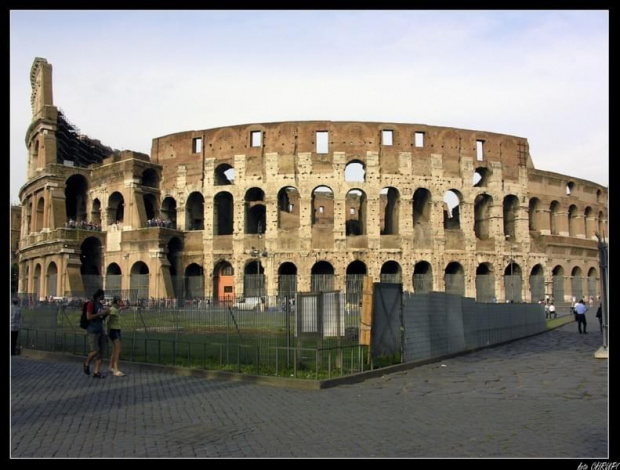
511, 212
116, 208
537, 283
255, 211
482, 216
288, 208
76, 190
322, 277
254, 278
355, 171
113, 279
52, 279
223, 175
169, 212
390, 210
95, 212
481, 177
572, 221
534, 212
391, 272
37, 278
139, 282
90, 267
194, 212
577, 282
452, 209
513, 282
454, 277
322, 206
593, 283
223, 213
356, 209
422, 277
588, 217
150, 206
485, 283
287, 279
40, 214
194, 281
224, 281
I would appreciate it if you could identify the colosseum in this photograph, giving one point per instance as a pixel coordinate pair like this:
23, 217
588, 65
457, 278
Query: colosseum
273, 208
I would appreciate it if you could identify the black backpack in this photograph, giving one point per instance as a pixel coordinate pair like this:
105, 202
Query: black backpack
83, 320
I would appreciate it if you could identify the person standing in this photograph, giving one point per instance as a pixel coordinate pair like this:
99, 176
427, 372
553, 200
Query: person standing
95, 313
580, 313
547, 310
552, 312
16, 322
114, 333
599, 315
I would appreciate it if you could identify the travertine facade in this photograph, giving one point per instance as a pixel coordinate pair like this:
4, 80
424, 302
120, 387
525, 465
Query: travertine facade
304, 198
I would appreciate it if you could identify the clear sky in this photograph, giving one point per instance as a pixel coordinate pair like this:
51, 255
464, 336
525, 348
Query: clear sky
126, 77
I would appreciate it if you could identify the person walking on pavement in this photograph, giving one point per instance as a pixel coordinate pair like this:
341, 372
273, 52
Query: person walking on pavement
552, 312
580, 313
95, 313
16, 322
599, 315
114, 333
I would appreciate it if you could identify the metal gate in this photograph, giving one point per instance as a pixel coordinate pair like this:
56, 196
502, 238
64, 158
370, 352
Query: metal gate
386, 337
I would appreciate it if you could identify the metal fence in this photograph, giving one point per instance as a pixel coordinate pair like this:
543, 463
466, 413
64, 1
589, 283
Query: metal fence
271, 336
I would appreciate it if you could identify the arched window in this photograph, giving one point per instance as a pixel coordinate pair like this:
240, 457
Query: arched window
577, 283
558, 284
482, 216
76, 189
485, 283
150, 178
534, 211
169, 212
513, 282
391, 273
511, 210
355, 206
481, 177
454, 278
322, 277
139, 282
451, 214
288, 208
354, 172
287, 280
40, 214
390, 211
224, 175
422, 277
52, 279
323, 206
223, 213
572, 221
537, 283
116, 208
588, 218
194, 212
255, 211
113, 279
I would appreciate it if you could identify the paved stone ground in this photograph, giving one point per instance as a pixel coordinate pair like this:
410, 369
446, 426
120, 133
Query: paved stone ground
545, 396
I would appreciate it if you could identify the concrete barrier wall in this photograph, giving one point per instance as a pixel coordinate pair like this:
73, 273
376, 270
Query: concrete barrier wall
438, 324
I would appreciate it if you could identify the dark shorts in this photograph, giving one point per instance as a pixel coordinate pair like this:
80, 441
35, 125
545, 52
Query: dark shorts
115, 334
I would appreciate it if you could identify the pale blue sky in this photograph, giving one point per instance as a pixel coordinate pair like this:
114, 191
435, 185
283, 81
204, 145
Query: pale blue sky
126, 77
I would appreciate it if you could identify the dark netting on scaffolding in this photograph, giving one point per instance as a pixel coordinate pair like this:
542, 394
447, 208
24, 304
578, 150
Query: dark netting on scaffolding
78, 148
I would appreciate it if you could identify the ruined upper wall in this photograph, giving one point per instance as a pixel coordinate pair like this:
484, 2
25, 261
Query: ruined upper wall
354, 139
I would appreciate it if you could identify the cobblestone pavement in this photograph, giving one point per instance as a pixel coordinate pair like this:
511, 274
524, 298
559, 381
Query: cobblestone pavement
544, 396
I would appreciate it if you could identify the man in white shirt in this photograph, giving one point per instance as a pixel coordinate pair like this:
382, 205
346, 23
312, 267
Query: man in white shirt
580, 313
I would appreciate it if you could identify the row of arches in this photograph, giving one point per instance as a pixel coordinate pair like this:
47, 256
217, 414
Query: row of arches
573, 222
189, 282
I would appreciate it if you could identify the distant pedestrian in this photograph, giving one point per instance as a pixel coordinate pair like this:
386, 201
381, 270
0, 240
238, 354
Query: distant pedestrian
547, 310
95, 313
552, 312
114, 333
580, 313
16, 322
599, 315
